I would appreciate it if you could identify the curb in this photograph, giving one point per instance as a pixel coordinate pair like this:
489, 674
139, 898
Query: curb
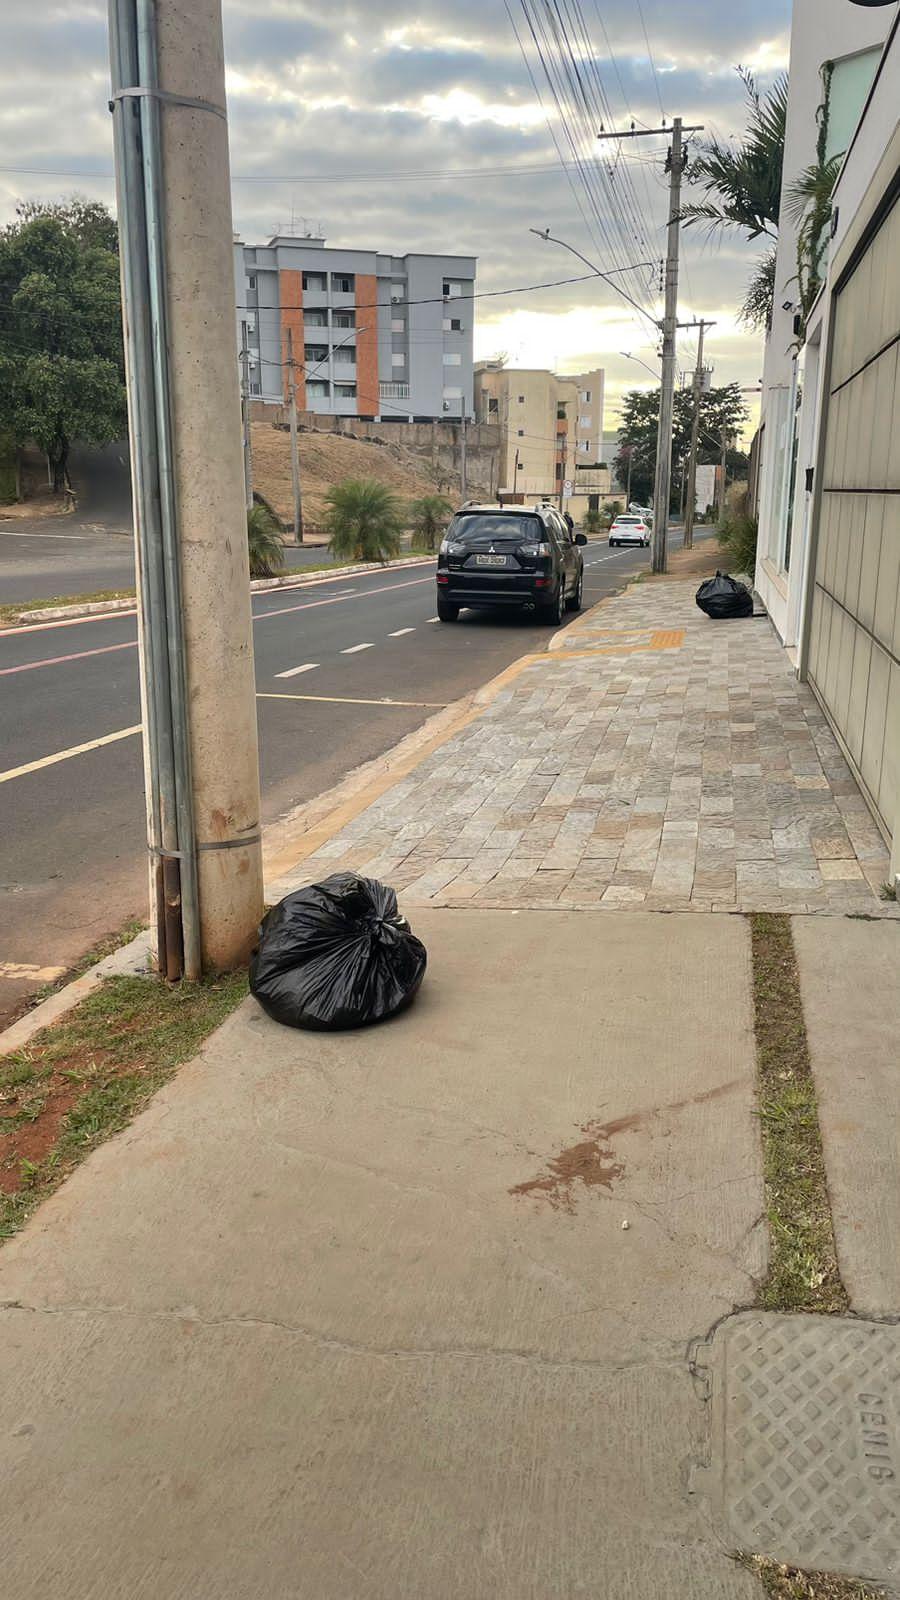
294, 580
129, 960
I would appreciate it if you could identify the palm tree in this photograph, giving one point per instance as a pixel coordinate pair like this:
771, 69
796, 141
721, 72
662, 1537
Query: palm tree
742, 182
808, 201
428, 518
264, 542
364, 520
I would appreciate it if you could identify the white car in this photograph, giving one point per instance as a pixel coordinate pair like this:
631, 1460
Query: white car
629, 529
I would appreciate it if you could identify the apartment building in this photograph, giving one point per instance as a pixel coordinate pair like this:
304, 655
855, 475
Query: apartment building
550, 425
379, 337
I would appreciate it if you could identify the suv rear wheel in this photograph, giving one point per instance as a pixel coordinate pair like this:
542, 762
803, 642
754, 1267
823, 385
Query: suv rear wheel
574, 601
553, 613
447, 611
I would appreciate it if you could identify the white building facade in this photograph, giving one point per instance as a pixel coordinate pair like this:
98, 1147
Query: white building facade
835, 49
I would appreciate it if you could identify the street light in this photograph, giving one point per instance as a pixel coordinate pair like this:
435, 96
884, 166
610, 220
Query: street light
629, 357
547, 236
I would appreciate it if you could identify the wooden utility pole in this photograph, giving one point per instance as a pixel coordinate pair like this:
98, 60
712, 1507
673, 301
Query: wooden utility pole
690, 508
295, 450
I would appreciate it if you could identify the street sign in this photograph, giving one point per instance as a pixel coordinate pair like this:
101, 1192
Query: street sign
567, 489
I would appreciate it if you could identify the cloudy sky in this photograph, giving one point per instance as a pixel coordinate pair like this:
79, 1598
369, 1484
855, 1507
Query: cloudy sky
359, 111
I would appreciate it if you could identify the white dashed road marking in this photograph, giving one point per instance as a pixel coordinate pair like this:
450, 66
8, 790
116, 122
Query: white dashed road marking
399, 632
352, 649
292, 672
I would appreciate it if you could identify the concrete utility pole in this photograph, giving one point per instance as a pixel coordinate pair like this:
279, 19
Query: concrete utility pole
662, 487
196, 646
690, 508
245, 422
663, 479
295, 450
463, 465
721, 516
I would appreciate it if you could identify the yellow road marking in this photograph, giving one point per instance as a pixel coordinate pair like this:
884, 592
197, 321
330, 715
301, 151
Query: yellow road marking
346, 700
27, 969
66, 755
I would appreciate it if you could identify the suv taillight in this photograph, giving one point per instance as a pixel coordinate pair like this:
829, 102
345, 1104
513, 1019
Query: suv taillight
535, 550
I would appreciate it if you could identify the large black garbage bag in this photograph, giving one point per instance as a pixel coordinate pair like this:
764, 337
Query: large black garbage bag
336, 955
722, 596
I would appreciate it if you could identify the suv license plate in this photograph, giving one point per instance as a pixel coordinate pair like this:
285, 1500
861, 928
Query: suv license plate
490, 561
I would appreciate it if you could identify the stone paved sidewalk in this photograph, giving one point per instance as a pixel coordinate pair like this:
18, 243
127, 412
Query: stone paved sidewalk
650, 759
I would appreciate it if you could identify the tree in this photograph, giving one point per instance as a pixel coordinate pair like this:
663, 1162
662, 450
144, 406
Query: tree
742, 182
264, 542
364, 520
428, 517
719, 408
61, 360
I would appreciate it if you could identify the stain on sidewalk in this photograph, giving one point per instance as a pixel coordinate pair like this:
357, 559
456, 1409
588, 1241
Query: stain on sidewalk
592, 1163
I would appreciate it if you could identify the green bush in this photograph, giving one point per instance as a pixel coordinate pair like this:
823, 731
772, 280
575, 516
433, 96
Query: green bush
592, 522
7, 469
364, 520
738, 532
264, 542
428, 518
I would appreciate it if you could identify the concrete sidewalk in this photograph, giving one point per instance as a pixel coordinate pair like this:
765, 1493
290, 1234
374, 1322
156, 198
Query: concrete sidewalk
357, 1315
407, 1313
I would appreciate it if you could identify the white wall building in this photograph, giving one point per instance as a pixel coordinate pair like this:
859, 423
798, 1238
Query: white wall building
843, 591
835, 49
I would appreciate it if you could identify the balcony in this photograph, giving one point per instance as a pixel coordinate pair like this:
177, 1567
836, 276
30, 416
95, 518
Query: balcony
393, 391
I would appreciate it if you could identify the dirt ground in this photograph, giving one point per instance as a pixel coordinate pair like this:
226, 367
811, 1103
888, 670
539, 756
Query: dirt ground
326, 459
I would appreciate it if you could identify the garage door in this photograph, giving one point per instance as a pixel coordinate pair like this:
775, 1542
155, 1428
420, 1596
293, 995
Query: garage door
854, 642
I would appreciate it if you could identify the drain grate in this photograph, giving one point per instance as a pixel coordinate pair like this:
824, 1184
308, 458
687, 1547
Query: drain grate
805, 1452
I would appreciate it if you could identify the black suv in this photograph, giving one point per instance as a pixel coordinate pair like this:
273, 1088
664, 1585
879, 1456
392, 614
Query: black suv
510, 556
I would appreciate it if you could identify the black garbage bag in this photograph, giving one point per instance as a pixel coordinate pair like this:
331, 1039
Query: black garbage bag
336, 955
722, 596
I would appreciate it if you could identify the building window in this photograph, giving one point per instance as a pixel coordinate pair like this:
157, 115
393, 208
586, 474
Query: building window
493, 406
521, 399
314, 353
585, 446
398, 294
398, 324
251, 283
344, 356
316, 281
584, 422
452, 358
345, 391
316, 390
561, 413
342, 282
520, 432
398, 359
452, 325
453, 394
315, 319
254, 388
451, 290
344, 319
585, 397
559, 469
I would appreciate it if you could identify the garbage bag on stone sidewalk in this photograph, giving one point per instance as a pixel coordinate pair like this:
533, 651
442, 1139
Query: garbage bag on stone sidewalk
336, 955
722, 596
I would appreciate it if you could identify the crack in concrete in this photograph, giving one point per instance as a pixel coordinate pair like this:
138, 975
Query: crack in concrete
671, 1353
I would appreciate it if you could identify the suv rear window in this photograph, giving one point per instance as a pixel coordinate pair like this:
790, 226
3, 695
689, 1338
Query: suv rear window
472, 527
629, 519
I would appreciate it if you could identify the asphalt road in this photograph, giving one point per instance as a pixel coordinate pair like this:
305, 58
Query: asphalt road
72, 555
328, 657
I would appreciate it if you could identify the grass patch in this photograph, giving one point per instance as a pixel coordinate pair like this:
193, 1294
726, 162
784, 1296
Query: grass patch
86, 1077
98, 952
10, 613
788, 1583
803, 1269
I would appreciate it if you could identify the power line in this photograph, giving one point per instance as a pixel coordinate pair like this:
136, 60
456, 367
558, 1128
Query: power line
662, 108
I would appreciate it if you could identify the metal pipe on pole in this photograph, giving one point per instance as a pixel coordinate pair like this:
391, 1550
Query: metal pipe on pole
245, 423
295, 448
201, 763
